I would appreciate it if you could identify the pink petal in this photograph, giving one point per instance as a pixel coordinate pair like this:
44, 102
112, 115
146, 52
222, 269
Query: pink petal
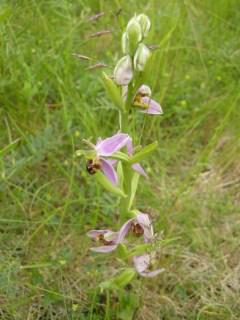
109, 171
145, 223
153, 106
110, 145
151, 274
137, 167
124, 230
129, 146
142, 263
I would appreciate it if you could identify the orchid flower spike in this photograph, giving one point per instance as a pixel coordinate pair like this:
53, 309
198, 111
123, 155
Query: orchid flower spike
143, 265
103, 150
143, 100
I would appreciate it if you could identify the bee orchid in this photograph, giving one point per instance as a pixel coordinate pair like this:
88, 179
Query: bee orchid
138, 226
143, 100
104, 150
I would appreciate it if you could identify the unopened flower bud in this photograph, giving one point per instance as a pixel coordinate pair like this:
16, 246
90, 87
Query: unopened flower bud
144, 91
125, 43
123, 71
134, 34
141, 57
145, 24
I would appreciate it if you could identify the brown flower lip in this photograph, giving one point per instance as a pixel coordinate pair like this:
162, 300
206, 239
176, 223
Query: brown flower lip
137, 229
104, 241
93, 166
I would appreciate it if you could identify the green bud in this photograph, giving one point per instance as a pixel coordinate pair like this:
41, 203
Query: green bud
134, 34
123, 71
145, 24
141, 57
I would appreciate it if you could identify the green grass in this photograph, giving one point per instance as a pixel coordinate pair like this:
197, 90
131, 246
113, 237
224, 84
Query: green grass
49, 102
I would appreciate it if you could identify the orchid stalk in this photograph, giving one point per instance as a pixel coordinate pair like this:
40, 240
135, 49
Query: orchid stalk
116, 162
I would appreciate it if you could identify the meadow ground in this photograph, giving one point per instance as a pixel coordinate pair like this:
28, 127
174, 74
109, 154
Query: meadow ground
49, 102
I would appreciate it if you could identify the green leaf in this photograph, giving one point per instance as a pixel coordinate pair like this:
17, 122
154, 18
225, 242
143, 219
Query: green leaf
120, 156
140, 249
134, 185
120, 174
124, 278
143, 153
120, 281
108, 185
113, 92
146, 247
122, 251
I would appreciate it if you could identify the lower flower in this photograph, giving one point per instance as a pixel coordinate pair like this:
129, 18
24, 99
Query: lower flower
139, 225
143, 266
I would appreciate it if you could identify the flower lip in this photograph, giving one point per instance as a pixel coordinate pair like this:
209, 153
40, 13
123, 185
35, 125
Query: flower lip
137, 229
93, 165
107, 239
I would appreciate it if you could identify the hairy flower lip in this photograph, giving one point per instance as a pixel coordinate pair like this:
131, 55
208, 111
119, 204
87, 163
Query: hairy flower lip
93, 165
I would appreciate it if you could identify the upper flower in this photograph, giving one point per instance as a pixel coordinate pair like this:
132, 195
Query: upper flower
143, 100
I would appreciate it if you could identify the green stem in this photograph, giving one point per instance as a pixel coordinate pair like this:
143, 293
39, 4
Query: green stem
127, 171
124, 202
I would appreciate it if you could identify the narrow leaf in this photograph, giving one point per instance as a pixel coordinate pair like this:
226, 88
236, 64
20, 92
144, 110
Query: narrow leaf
124, 278
120, 156
122, 251
113, 91
108, 185
143, 153
120, 281
140, 249
120, 174
134, 185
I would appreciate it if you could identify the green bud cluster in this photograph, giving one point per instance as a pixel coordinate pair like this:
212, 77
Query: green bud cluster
136, 53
